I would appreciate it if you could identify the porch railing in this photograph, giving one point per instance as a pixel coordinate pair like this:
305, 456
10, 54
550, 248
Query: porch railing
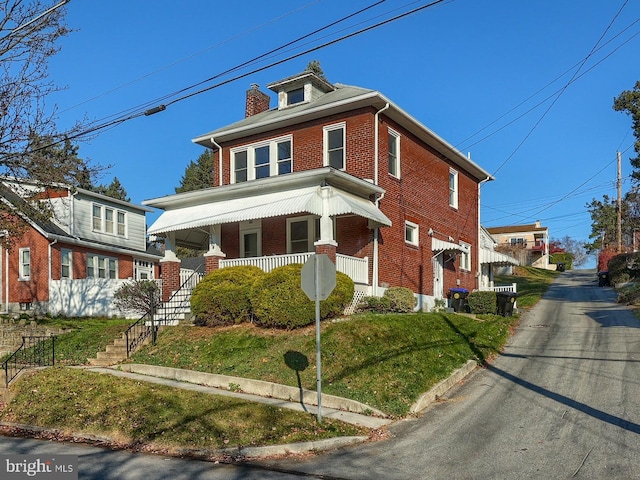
501, 288
356, 268
37, 351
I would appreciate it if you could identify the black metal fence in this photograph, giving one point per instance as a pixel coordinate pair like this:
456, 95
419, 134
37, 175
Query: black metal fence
36, 351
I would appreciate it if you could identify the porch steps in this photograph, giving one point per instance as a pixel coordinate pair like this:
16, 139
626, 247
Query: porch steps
175, 311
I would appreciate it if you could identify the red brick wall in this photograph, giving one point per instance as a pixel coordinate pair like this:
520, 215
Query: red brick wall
421, 195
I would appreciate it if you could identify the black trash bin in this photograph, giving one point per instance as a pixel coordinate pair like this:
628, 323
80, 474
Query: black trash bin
603, 279
506, 301
458, 299
560, 267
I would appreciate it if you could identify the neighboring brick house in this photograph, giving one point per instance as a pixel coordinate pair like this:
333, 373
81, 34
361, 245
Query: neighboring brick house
332, 169
72, 263
528, 243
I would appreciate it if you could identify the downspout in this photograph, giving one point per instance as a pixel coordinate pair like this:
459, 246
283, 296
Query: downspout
479, 270
50, 270
219, 159
5, 280
375, 280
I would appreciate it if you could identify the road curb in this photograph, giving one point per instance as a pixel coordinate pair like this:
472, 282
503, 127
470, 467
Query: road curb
441, 388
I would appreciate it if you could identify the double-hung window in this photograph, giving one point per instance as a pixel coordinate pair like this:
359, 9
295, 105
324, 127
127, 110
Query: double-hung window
334, 146
25, 263
465, 257
109, 220
411, 233
302, 233
262, 160
394, 153
453, 188
99, 266
66, 263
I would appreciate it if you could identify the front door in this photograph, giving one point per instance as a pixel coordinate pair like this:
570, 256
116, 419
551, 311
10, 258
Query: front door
438, 276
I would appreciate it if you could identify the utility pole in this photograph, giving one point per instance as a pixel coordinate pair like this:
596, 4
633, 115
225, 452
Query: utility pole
619, 203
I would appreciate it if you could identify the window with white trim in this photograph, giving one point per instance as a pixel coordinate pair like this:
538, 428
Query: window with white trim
411, 231
334, 146
302, 233
25, 263
99, 266
295, 96
465, 257
66, 263
143, 270
394, 153
262, 160
453, 188
251, 238
109, 220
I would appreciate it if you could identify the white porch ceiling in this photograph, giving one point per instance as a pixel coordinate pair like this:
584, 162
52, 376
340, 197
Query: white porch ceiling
274, 204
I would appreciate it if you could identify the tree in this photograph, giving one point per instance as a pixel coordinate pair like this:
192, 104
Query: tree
139, 296
113, 190
198, 174
30, 146
604, 216
314, 66
629, 101
573, 247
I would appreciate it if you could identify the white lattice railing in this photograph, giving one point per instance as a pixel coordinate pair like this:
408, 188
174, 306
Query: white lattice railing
356, 268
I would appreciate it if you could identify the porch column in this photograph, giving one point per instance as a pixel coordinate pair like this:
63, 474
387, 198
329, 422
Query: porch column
214, 254
169, 268
326, 244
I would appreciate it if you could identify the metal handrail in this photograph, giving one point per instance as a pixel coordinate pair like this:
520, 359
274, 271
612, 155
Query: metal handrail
142, 329
31, 353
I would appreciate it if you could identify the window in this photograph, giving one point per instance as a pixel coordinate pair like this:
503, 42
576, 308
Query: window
295, 96
302, 233
334, 150
25, 263
143, 270
517, 242
65, 263
101, 267
465, 257
262, 160
109, 220
251, 238
453, 188
394, 153
411, 233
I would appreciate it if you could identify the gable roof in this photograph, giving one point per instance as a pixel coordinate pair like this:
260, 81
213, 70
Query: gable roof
342, 99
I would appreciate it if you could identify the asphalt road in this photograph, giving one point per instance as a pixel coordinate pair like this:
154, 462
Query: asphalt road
562, 402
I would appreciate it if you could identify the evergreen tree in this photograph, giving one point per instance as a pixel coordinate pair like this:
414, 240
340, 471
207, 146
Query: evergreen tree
198, 174
629, 102
314, 66
113, 190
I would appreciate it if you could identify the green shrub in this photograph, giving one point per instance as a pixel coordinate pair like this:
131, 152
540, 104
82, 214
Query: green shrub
375, 304
482, 302
565, 258
624, 268
279, 302
402, 299
222, 296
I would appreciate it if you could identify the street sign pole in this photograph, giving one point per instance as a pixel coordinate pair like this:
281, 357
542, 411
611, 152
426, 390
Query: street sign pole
318, 356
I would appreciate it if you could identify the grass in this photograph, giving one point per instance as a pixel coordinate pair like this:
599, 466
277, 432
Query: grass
384, 361
85, 337
532, 284
156, 416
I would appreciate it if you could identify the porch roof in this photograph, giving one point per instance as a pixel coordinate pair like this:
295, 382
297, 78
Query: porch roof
266, 205
496, 258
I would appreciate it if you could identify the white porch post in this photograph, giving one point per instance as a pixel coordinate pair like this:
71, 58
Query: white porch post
214, 242
170, 248
326, 244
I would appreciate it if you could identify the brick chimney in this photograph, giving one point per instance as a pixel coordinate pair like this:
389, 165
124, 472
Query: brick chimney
257, 101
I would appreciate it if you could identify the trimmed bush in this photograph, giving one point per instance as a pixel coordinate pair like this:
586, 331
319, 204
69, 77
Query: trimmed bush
222, 296
375, 304
624, 268
482, 302
402, 299
279, 302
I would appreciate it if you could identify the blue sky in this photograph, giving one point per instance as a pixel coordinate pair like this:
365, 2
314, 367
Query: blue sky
525, 87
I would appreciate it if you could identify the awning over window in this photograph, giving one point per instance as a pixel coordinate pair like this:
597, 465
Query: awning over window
442, 246
496, 258
274, 204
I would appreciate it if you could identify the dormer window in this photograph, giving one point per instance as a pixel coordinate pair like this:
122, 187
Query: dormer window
295, 96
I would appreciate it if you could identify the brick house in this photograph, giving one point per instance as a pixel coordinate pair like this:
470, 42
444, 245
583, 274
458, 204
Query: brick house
332, 169
72, 263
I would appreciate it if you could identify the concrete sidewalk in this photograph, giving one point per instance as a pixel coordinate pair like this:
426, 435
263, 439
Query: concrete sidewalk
252, 390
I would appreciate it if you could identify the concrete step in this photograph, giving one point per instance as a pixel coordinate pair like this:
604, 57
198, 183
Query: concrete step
117, 349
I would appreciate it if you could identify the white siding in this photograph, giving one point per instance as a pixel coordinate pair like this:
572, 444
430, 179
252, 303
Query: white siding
90, 297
